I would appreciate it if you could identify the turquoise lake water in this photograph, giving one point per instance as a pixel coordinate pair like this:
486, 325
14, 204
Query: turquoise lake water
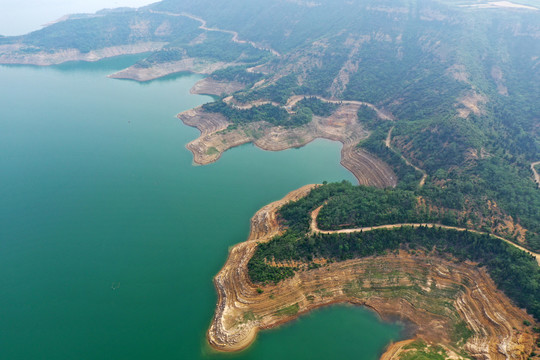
110, 237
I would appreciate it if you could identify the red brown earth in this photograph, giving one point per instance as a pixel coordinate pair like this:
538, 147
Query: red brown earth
435, 295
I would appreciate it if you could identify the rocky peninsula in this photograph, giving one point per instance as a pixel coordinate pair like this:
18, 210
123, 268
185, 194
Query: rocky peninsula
437, 296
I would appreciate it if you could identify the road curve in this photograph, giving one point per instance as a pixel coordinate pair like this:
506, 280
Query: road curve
315, 229
535, 173
388, 143
235, 36
293, 100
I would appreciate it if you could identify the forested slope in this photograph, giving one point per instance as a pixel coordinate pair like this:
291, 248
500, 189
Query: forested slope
461, 82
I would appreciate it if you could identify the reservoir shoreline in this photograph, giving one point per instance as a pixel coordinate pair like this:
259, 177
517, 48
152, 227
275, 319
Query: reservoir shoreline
232, 330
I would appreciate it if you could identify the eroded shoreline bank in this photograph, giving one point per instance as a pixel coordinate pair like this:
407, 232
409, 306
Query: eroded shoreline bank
342, 126
242, 310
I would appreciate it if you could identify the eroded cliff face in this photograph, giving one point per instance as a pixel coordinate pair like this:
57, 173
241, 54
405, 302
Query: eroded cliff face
453, 304
342, 126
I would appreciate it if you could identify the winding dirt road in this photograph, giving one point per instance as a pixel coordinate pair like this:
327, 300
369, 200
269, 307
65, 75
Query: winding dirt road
536, 175
235, 36
315, 229
293, 100
388, 143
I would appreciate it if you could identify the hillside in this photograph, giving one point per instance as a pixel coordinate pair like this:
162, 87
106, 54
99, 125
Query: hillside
435, 102
418, 275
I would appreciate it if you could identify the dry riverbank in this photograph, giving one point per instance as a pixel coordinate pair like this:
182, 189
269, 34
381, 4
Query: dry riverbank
434, 294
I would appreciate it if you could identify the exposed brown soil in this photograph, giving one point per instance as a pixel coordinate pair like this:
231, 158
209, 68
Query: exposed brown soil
210, 86
235, 104
339, 85
367, 169
459, 73
207, 123
342, 126
432, 293
16, 54
471, 103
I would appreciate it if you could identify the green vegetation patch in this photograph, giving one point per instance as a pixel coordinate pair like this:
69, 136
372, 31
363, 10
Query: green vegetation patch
348, 206
249, 316
359, 206
461, 333
238, 74
86, 33
407, 175
419, 350
262, 273
316, 106
279, 92
266, 112
288, 311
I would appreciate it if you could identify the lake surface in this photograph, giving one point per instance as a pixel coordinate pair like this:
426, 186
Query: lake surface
110, 237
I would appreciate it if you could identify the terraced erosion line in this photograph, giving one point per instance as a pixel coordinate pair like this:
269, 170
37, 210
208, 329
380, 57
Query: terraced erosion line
388, 143
433, 294
315, 229
342, 126
535, 173
235, 36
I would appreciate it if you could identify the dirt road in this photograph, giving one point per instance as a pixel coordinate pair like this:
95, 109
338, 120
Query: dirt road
536, 175
315, 229
388, 143
235, 36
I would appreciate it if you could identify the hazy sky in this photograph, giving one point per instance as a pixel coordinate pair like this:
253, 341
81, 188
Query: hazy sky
22, 16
